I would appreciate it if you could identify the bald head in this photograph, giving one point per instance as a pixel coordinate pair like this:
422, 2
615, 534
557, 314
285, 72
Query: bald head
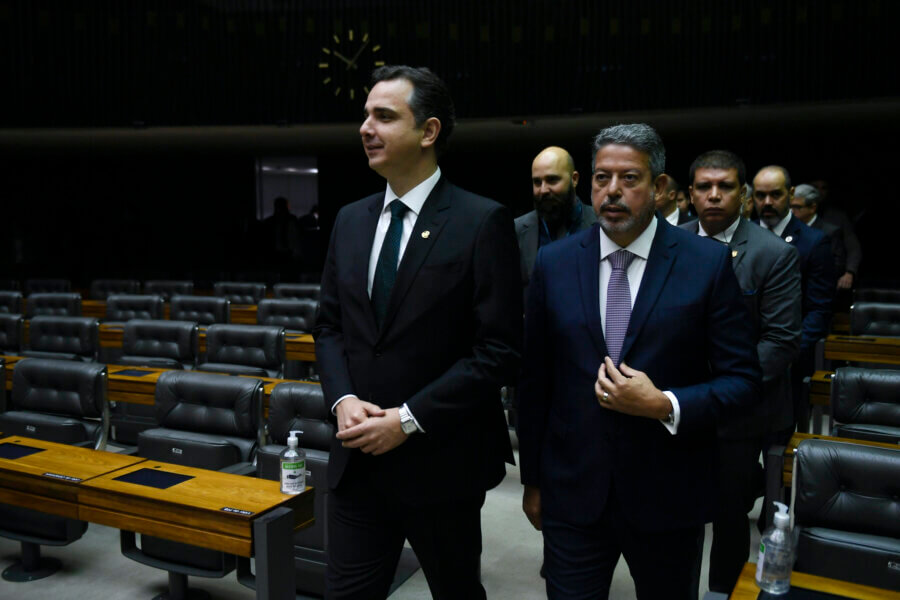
772, 194
553, 181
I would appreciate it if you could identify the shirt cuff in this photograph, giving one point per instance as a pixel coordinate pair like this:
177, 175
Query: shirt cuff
676, 414
419, 427
339, 400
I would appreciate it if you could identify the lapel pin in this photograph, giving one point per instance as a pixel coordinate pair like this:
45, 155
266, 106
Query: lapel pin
734, 253
789, 239
425, 234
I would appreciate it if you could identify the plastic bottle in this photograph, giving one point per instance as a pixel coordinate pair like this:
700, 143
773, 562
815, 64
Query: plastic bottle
293, 466
776, 555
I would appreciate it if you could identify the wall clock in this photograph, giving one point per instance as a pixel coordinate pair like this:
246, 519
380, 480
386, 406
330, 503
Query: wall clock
347, 61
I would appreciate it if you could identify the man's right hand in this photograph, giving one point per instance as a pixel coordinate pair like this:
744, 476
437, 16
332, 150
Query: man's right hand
353, 411
531, 504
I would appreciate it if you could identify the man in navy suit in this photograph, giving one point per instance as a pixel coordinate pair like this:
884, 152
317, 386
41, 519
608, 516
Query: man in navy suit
419, 324
772, 194
636, 342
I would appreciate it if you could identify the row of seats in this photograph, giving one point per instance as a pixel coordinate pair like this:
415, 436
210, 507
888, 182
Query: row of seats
101, 289
216, 422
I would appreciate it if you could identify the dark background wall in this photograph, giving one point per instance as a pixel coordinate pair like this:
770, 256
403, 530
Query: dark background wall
129, 131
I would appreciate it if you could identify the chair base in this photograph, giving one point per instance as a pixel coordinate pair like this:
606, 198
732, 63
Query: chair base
32, 565
179, 590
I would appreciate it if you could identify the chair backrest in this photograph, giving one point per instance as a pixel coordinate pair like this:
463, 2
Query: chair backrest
259, 346
60, 389
240, 292
876, 295
869, 397
200, 309
300, 406
41, 286
12, 332
166, 339
875, 318
297, 290
71, 335
169, 287
11, 302
127, 307
101, 289
297, 314
58, 304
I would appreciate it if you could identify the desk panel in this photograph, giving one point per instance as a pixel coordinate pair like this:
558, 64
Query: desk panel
863, 349
746, 588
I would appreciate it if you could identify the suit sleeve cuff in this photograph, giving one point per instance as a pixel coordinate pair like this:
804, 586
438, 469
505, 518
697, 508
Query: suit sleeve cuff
676, 414
339, 400
414, 419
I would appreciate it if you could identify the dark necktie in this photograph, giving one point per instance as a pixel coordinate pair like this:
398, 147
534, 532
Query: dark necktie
386, 268
618, 303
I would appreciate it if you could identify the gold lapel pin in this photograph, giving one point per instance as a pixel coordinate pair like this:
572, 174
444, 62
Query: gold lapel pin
425, 234
789, 239
734, 253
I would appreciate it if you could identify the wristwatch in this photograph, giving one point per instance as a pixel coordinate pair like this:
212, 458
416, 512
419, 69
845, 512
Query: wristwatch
406, 421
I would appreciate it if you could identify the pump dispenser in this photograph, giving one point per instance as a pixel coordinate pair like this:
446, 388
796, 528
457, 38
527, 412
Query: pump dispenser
293, 466
776, 555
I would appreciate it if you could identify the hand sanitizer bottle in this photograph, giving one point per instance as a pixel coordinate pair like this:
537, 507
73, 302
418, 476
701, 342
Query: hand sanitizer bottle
293, 466
776, 555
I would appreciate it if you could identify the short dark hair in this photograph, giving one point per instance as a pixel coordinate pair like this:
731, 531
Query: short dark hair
719, 159
430, 97
639, 136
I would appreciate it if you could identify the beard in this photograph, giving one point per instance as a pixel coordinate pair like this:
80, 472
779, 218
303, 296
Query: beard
633, 220
555, 208
769, 215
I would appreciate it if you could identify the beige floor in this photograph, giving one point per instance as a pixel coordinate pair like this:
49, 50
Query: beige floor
94, 567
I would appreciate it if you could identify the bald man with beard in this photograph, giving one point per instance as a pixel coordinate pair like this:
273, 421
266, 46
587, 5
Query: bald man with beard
558, 211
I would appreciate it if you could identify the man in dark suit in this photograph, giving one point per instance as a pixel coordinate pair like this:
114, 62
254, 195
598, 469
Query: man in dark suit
419, 325
636, 343
667, 204
768, 272
558, 211
805, 206
772, 193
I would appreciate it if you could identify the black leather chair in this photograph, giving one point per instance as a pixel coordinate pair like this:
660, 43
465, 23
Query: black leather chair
64, 338
54, 304
159, 344
47, 286
101, 289
12, 333
256, 350
11, 302
215, 422
865, 403
876, 295
846, 506
297, 290
239, 292
294, 314
875, 318
168, 288
204, 310
121, 307
58, 401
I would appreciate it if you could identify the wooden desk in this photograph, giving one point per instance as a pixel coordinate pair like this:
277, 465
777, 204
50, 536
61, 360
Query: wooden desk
820, 398
746, 588
863, 349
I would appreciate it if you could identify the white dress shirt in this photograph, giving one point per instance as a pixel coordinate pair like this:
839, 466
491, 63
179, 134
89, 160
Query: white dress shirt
640, 247
779, 226
723, 236
813, 220
673, 216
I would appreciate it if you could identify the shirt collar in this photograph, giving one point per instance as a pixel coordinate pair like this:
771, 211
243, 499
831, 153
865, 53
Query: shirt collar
415, 198
723, 236
779, 226
639, 247
673, 217
813, 220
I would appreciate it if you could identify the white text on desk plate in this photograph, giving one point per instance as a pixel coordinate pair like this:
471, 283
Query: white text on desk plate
236, 511
63, 477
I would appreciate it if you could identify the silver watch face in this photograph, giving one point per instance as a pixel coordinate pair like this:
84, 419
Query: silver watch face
407, 426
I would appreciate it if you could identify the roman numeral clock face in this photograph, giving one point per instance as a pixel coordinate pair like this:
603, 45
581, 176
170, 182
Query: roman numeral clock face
346, 63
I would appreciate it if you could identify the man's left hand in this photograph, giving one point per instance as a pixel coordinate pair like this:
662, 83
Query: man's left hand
630, 391
846, 281
375, 435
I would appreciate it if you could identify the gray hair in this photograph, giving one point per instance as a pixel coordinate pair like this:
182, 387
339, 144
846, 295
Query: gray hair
809, 194
639, 136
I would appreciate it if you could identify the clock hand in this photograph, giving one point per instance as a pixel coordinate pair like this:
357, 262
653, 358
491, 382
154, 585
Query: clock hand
343, 58
352, 62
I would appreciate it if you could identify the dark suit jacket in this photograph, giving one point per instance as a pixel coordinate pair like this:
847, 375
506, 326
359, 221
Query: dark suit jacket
451, 338
768, 272
838, 249
817, 280
689, 331
849, 239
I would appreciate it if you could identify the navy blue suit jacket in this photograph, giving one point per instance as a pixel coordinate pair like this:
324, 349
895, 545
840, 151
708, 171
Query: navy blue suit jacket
689, 331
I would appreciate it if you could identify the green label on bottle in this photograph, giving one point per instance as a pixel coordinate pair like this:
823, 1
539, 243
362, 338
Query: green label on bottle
295, 465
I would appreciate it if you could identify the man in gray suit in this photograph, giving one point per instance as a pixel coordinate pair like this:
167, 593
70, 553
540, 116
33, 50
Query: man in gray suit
558, 211
805, 206
768, 271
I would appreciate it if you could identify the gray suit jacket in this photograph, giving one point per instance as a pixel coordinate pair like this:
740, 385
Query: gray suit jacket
768, 271
838, 249
528, 232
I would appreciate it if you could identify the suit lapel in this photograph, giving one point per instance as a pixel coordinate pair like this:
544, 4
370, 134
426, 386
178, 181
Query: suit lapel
738, 244
529, 240
589, 285
659, 263
791, 230
360, 276
432, 219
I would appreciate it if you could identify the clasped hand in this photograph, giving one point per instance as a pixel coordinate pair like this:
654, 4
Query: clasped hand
630, 391
368, 427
